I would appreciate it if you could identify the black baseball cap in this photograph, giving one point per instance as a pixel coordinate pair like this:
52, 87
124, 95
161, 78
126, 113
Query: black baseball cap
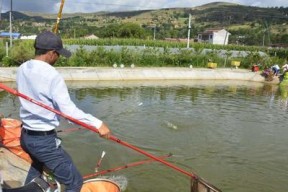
50, 41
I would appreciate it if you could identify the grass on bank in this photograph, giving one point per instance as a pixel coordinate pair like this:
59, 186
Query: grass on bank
155, 54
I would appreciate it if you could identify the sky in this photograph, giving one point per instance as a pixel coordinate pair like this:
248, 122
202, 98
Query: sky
87, 6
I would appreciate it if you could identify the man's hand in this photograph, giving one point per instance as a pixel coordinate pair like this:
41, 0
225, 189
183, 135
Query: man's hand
104, 131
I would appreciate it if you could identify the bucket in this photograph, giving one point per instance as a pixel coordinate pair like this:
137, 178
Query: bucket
212, 65
100, 185
255, 68
10, 131
236, 64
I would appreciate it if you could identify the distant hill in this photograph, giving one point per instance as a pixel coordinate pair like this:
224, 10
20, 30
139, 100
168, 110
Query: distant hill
216, 4
210, 10
237, 18
27, 16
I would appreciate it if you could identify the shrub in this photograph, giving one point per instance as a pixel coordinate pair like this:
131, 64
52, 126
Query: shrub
2, 50
8, 62
21, 52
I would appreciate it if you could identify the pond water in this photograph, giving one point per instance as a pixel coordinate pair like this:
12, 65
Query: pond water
233, 134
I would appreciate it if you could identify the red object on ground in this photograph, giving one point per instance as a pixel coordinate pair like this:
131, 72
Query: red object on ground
255, 68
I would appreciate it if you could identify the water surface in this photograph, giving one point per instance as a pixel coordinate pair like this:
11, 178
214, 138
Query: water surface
231, 133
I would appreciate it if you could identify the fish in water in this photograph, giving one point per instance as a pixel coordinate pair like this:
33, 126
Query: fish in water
170, 125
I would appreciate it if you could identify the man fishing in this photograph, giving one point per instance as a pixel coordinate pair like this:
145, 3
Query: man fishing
38, 79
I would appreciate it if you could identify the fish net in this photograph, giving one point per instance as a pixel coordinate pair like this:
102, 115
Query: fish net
200, 185
105, 184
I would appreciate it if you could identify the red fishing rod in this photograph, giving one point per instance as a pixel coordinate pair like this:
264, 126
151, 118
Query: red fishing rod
112, 138
124, 166
68, 130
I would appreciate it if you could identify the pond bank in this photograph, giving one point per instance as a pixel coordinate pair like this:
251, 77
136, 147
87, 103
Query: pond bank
155, 73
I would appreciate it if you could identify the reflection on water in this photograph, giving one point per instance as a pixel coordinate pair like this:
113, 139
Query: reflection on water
283, 87
233, 134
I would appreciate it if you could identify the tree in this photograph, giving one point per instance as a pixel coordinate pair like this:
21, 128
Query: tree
131, 30
109, 31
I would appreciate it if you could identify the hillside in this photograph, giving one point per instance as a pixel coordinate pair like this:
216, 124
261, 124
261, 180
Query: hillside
215, 14
172, 22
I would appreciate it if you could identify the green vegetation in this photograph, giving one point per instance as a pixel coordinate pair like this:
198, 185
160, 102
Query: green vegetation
253, 30
20, 52
148, 53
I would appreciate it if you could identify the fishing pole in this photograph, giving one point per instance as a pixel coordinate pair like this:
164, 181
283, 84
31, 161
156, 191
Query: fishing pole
59, 16
112, 138
68, 130
125, 166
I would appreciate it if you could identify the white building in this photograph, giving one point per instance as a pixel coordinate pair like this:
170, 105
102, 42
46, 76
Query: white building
29, 37
92, 36
214, 36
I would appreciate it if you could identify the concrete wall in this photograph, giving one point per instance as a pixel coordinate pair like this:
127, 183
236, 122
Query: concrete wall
98, 74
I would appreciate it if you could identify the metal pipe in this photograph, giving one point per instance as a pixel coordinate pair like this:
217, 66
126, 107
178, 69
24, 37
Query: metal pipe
188, 35
10, 19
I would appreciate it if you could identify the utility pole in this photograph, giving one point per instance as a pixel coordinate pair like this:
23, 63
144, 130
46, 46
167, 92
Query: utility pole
189, 28
225, 39
263, 40
11, 25
1, 10
226, 34
154, 34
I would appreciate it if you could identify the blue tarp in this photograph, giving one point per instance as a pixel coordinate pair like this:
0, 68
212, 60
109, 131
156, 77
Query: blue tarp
7, 34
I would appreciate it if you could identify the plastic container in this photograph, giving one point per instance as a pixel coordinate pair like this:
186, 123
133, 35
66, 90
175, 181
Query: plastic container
235, 64
100, 185
10, 131
212, 65
255, 68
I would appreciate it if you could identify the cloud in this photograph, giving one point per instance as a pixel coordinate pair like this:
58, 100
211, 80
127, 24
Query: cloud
31, 5
52, 6
265, 3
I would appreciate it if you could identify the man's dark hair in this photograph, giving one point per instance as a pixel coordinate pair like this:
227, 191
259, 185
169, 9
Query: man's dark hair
41, 51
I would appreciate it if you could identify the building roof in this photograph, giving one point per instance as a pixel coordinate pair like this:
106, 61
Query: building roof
210, 31
92, 36
28, 37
